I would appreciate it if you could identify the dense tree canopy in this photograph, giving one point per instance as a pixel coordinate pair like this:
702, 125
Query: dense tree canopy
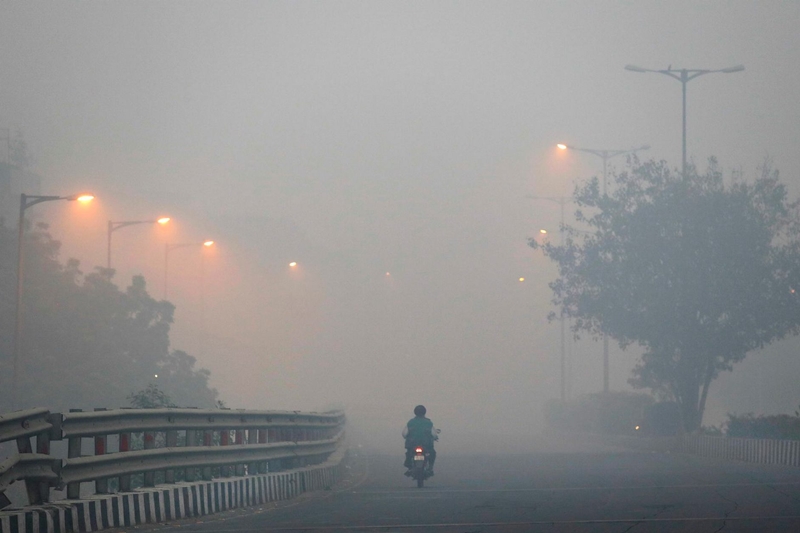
86, 343
699, 273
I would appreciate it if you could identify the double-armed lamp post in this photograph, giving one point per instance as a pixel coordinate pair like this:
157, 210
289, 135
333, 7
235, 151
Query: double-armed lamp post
26, 201
114, 226
684, 76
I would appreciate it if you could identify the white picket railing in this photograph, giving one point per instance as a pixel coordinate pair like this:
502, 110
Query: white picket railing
761, 451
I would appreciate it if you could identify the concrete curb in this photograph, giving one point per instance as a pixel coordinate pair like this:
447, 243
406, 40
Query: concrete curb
170, 502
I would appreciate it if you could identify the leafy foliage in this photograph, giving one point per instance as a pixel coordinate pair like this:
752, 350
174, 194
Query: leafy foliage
86, 343
764, 427
696, 272
150, 398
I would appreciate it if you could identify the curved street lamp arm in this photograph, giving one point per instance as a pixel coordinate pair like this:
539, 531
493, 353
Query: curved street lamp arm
28, 200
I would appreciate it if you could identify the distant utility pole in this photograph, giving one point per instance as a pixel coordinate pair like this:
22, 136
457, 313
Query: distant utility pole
8, 144
561, 201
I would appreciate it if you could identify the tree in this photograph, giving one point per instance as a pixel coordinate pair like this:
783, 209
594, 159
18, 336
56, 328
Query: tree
86, 343
19, 154
150, 398
696, 272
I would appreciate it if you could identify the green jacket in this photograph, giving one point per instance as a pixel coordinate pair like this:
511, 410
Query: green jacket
419, 432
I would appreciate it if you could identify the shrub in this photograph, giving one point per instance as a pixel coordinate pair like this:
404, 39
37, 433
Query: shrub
612, 413
764, 427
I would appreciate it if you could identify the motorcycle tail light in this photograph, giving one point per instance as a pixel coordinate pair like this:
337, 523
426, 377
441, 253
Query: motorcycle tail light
419, 450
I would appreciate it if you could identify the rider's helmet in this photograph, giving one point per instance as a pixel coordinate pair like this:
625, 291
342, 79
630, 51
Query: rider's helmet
420, 410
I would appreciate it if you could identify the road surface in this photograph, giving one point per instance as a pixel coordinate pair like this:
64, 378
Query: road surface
609, 490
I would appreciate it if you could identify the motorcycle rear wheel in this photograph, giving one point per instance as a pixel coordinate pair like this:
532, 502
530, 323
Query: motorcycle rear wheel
420, 483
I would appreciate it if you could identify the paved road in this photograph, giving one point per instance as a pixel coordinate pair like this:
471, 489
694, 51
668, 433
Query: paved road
608, 491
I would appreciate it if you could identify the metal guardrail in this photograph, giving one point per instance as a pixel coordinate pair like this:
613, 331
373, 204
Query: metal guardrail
114, 465
178, 443
80, 424
24, 466
20, 424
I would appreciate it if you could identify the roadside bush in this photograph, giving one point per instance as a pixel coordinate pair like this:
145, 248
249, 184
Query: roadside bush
612, 413
764, 427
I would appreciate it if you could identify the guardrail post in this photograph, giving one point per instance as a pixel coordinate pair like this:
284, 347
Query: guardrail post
100, 442
74, 450
43, 447
31, 487
262, 439
191, 440
224, 440
125, 446
252, 438
149, 444
208, 440
172, 442
239, 436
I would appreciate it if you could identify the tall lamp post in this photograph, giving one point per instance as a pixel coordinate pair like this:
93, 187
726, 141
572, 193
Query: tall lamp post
114, 226
561, 201
26, 201
684, 76
605, 155
169, 247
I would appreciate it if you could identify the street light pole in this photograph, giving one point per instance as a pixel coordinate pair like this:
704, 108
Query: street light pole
561, 201
685, 76
605, 155
26, 201
114, 226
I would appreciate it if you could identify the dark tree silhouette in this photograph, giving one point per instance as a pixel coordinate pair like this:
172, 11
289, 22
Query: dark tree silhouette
85, 342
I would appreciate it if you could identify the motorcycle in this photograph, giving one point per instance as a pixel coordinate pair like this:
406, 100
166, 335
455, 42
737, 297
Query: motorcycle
419, 469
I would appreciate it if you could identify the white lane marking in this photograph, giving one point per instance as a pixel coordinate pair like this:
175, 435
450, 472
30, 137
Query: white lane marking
509, 524
568, 489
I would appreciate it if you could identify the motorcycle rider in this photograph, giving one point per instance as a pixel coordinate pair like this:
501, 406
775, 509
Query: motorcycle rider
419, 431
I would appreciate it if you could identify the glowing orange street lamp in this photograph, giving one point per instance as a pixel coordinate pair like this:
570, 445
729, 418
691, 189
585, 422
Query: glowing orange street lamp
562, 146
114, 226
169, 247
293, 264
26, 201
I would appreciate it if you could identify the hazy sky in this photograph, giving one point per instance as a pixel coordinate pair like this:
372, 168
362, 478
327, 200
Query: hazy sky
360, 138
